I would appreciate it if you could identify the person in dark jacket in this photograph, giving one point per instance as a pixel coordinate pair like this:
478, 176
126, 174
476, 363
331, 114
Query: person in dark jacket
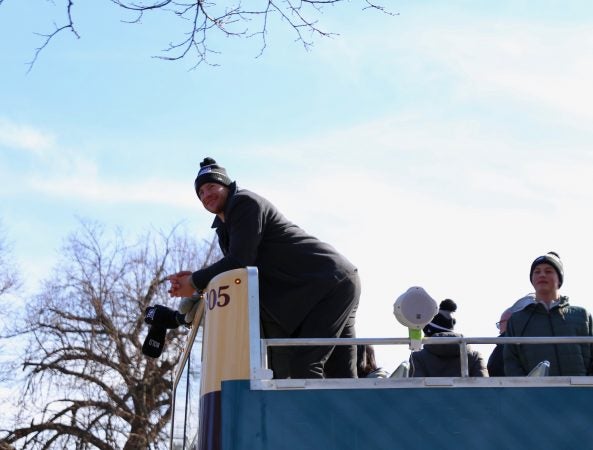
550, 315
496, 360
306, 288
443, 360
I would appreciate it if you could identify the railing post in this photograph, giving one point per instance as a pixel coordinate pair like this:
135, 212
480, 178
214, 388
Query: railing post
257, 353
463, 359
254, 324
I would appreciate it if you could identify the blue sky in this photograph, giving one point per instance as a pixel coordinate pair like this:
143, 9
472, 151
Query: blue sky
445, 147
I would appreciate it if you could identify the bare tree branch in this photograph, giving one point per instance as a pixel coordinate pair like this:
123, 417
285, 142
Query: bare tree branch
207, 21
9, 277
372, 5
86, 330
48, 37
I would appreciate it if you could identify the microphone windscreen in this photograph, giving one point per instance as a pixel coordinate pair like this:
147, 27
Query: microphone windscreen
161, 316
154, 342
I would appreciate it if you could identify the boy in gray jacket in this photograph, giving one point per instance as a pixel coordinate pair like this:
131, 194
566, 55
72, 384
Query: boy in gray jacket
549, 315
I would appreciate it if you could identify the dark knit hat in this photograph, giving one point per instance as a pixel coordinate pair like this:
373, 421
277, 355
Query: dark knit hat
444, 320
551, 258
210, 172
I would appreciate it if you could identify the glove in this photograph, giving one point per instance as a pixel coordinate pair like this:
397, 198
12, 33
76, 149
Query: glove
163, 317
189, 307
154, 342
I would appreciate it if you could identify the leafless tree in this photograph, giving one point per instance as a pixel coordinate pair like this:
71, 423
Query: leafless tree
203, 21
9, 277
10, 282
87, 384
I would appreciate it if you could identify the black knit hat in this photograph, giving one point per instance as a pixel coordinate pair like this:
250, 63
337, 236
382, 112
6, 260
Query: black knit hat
553, 259
210, 172
444, 320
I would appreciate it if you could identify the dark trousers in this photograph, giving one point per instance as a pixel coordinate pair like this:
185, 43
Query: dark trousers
333, 317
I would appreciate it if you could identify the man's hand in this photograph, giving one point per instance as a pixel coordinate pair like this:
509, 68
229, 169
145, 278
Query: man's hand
181, 285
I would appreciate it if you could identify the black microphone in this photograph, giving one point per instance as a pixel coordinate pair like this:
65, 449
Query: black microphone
163, 316
155, 341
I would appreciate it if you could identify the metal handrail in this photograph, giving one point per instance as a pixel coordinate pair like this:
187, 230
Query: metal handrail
462, 341
259, 347
292, 342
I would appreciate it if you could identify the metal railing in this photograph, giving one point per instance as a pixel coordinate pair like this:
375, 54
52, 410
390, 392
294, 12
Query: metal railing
461, 341
259, 347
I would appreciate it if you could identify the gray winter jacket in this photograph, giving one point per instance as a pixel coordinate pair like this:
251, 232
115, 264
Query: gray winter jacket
562, 320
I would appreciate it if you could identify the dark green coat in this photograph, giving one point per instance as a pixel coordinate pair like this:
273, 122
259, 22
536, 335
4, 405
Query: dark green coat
562, 320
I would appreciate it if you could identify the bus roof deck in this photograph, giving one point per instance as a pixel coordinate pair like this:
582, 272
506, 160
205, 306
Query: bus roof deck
246, 408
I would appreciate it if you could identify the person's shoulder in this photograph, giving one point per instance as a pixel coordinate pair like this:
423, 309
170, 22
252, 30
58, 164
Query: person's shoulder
526, 310
566, 306
522, 303
242, 194
245, 197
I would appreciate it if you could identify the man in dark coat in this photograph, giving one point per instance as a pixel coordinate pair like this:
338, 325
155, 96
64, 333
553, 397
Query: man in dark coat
307, 289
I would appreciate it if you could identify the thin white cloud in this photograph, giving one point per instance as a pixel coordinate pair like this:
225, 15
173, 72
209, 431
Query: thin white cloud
542, 68
71, 176
548, 65
456, 160
25, 137
92, 188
